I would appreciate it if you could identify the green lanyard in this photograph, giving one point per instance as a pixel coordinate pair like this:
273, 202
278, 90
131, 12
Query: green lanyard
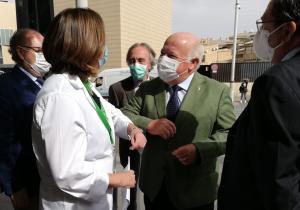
100, 110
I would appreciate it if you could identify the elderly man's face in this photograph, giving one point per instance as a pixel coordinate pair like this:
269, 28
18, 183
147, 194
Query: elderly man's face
140, 55
179, 48
33, 43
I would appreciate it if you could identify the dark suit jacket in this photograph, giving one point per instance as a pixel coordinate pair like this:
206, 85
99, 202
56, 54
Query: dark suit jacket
17, 161
121, 92
204, 118
262, 162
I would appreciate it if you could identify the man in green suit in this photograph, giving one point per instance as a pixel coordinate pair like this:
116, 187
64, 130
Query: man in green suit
186, 117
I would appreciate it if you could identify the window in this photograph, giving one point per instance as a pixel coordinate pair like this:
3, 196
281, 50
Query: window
1, 56
5, 35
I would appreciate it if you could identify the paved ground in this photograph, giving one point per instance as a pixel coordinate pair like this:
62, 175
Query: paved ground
5, 203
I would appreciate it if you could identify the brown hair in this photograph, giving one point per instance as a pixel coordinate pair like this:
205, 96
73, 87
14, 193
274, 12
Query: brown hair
145, 45
74, 42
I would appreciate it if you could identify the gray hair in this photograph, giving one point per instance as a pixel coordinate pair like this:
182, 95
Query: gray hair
152, 54
197, 52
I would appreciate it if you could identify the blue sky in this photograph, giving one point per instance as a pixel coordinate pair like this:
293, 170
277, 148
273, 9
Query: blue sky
215, 18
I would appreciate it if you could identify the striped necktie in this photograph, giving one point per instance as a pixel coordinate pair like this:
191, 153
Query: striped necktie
174, 103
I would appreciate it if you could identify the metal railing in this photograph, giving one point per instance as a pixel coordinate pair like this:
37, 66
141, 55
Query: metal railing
250, 70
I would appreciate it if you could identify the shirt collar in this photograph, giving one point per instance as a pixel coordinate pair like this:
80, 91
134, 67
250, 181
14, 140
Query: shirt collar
291, 54
186, 83
33, 78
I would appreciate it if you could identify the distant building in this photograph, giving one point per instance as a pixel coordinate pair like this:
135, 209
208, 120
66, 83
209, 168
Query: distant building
216, 51
8, 24
127, 22
245, 52
220, 51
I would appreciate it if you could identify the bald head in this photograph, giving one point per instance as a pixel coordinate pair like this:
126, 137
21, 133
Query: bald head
23, 37
184, 43
184, 48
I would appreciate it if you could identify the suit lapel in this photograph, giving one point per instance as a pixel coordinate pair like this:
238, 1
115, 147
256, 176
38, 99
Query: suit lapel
160, 99
194, 92
25, 81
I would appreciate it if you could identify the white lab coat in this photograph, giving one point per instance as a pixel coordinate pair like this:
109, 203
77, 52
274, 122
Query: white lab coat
72, 147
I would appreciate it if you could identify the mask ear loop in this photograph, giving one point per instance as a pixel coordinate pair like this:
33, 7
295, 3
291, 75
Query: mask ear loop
25, 61
187, 60
274, 31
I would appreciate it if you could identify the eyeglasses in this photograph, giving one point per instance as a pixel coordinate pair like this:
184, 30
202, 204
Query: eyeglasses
35, 49
259, 23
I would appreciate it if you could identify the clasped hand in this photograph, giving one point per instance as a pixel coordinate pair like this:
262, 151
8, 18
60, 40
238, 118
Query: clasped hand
186, 154
162, 127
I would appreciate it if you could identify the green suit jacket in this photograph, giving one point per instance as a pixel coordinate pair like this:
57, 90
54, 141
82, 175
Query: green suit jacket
204, 118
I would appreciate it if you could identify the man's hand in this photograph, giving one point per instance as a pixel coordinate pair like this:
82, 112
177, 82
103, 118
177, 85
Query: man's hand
161, 127
186, 154
20, 199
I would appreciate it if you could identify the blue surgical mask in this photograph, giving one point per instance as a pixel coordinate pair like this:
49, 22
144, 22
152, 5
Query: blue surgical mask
104, 58
138, 71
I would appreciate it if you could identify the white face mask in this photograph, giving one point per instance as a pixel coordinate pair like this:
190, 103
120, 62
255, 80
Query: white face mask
261, 44
167, 68
41, 65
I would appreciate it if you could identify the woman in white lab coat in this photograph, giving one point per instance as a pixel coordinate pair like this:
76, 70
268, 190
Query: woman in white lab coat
73, 126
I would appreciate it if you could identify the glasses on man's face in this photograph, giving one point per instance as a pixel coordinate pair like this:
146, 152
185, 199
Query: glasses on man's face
35, 49
259, 23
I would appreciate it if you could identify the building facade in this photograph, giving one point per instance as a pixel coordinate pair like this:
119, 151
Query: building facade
127, 22
8, 25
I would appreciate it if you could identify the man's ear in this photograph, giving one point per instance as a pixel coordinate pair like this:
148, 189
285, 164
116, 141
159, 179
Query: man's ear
289, 30
20, 53
194, 63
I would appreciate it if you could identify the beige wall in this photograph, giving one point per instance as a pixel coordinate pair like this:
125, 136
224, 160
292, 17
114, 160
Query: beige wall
60, 5
127, 22
145, 21
246, 55
8, 20
214, 55
6, 56
110, 12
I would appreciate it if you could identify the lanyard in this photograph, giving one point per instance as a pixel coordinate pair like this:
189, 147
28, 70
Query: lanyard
99, 109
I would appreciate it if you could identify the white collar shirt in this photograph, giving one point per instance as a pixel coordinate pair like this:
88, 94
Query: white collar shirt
184, 86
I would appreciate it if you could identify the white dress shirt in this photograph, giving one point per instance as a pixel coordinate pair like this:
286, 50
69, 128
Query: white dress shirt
72, 146
33, 78
184, 86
